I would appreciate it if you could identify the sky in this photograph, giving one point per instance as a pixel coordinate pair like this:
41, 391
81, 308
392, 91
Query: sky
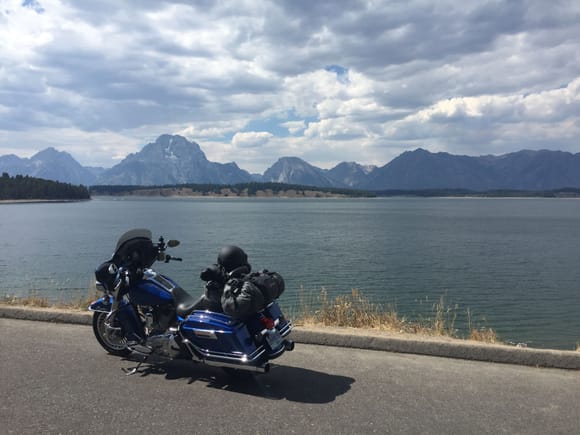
252, 81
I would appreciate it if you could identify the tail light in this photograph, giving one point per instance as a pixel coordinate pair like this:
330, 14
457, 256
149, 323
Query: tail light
268, 322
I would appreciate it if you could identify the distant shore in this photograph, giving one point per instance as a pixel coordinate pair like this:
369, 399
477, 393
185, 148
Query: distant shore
241, 191
161, 193
281, 190
199, 195
34, 201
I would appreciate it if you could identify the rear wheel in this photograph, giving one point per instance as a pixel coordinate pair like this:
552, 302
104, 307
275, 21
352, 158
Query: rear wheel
111, 338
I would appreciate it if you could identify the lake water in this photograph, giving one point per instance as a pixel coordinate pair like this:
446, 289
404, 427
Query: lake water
515, 263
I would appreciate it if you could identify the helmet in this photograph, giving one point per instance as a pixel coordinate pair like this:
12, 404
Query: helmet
232, 257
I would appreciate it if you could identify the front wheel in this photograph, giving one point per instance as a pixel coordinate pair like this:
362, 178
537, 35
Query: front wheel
111, 338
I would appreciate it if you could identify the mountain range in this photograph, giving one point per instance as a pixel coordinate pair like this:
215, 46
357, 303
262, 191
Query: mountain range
173, 159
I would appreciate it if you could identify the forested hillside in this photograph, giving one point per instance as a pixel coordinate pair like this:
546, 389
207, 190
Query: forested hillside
241, 189
30, 188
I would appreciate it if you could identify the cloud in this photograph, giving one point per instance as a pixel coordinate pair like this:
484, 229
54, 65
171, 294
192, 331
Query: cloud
536, 120
294, 127
326, 80
251, 139
547, 106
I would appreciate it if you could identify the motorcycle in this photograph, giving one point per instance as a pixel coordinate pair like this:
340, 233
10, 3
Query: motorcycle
148, 313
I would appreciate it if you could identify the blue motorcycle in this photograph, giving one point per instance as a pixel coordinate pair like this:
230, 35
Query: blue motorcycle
146, 312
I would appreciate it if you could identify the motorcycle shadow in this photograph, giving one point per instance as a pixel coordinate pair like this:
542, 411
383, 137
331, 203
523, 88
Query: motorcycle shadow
295, 384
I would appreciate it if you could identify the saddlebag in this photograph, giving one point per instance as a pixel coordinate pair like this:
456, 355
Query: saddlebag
215, 335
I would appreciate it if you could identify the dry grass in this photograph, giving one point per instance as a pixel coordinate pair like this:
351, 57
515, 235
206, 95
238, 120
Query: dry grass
29, 301
353, 310
483, 334
356, 311
81, 303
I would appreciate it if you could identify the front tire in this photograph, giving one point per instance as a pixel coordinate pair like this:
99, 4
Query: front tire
112, 340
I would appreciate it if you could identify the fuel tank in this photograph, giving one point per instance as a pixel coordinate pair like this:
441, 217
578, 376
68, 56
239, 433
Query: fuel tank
153, 289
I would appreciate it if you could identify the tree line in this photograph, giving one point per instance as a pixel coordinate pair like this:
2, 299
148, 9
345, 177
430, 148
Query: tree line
249, 188
24, 187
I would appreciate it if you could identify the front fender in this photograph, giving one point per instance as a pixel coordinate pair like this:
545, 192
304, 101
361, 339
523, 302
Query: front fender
102, 305
125, 314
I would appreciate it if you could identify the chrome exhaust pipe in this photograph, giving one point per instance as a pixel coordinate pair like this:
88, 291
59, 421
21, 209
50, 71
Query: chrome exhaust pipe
265, 368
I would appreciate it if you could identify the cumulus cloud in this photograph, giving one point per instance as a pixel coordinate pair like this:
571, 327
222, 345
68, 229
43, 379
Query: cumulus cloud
294, 127
251, 139
330, 80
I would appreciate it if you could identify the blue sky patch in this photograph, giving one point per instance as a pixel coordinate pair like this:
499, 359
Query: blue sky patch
34, 5
274, 125
340, 71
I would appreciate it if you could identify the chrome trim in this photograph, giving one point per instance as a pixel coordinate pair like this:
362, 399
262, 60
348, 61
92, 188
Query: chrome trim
205, 333
206, 353
256, 369
187, 344
286, 329
99, 311
283, 332
233, 356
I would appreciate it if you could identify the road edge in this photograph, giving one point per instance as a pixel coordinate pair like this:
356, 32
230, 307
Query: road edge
359, 339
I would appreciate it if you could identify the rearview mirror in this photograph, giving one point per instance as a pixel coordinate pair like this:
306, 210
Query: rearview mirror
173, 243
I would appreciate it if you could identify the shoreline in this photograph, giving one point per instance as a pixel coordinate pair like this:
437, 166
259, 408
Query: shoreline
232, 197
363, 339
236, 197
39, 201
273, 196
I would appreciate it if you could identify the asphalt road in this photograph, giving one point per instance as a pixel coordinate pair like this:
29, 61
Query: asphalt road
54, 378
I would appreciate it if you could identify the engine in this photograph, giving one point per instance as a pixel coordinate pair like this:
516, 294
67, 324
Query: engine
164, 345
158, 319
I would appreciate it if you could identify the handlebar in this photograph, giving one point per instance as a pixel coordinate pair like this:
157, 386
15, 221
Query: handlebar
161, 245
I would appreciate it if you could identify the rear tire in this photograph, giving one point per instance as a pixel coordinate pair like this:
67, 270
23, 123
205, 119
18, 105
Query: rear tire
113, 341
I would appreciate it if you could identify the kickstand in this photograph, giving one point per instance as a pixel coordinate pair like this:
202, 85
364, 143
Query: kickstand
129, 372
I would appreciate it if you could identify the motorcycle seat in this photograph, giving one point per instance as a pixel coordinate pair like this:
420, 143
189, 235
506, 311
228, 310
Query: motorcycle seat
185, 304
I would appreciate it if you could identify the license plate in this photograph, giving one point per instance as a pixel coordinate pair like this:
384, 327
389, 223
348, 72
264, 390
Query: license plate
274, 339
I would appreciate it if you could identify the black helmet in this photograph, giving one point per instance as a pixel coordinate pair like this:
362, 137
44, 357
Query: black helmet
232, 257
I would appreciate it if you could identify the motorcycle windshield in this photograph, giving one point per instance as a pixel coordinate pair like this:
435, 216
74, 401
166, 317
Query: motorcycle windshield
135, 248
139, 233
